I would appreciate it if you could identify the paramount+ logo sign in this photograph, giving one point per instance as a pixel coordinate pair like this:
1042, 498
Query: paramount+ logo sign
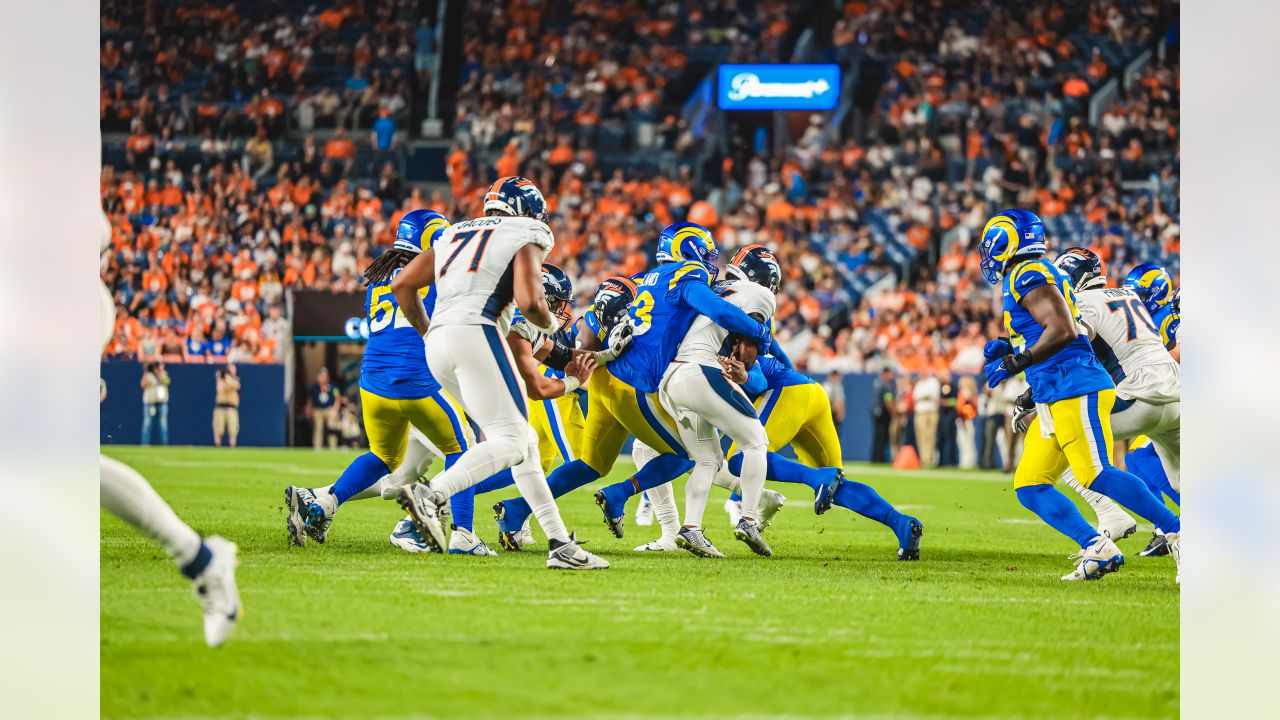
778, 87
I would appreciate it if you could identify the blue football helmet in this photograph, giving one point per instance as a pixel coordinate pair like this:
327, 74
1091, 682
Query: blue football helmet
559, 291
1083, 266
1010, 234
1152, 283
416, 225
516, 196
683, 241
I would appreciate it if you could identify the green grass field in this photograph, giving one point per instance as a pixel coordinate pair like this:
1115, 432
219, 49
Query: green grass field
831, 626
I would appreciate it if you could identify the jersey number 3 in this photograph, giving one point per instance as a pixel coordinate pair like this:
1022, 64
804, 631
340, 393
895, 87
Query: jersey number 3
460, 242
1131, 309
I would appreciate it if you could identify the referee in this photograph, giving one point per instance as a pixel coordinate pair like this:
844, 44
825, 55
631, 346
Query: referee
226, 413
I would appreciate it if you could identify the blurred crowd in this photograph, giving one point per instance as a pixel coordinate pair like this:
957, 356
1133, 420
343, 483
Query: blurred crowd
875, 221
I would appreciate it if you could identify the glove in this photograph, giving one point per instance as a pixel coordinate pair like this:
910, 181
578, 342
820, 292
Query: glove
1017, 364
1024, 410
995, 372
997, 348
619, 340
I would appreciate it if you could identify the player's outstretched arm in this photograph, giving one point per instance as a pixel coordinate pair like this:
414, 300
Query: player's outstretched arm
702, 298
419, 273
527, 288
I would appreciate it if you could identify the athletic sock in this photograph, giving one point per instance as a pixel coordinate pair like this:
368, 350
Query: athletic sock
363, 472
549, 520
696, 491
571, 476
462, 505
1128, 490
783, 469
735, 497
502, 480
1058, 511
864, 500
128, 496
665, 511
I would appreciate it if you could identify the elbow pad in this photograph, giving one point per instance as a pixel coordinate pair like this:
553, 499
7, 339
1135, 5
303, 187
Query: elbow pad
559, 357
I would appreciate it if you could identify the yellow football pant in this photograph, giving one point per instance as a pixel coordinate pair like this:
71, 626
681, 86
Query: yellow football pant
1080, 439
387, 420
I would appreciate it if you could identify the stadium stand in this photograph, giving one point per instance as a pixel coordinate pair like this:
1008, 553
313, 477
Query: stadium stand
248, 166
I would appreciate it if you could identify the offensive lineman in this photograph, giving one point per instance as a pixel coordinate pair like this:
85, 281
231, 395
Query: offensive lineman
482, 270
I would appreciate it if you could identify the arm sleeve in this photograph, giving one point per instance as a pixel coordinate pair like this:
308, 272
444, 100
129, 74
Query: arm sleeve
756, 382
702, 298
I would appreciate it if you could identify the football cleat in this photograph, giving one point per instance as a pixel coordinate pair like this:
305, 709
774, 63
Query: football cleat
570, 556
909, 534
1117, 525
509, 536
405, 536
320, 518
659, 545
614, 517
1173, 541
423, 505
644, 511
215, 589
296, 501
734, 508
749, 532
465, 542
694, 541
1098, 559
770, 503
525, 537
826, 494
1157, 547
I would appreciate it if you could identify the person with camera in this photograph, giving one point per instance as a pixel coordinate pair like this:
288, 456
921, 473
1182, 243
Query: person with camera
155, 401
226, 411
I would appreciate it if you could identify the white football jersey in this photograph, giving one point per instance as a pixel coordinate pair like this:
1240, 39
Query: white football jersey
1123, 335
705, 338
475, 266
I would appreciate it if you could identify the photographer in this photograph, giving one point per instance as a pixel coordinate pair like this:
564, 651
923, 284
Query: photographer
155, 401
226, 412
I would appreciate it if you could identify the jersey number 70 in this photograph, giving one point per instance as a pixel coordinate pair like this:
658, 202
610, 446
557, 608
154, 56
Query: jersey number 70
1132, 308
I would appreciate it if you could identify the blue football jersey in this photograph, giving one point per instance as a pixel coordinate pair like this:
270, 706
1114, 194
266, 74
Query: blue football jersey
1167, 320
395, 361
660, 320
1074, 370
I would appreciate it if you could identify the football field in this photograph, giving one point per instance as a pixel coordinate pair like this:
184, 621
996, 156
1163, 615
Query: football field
831, 626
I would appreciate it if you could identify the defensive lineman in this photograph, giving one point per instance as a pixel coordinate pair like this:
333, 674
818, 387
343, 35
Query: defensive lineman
483, 269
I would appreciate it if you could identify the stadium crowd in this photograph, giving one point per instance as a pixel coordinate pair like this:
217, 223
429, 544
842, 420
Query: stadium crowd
215, 211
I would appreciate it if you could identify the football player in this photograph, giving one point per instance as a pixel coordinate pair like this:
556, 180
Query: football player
482, 270
209, 563
1148, 388
396, 390
1073, 392
1154, 285
795, 411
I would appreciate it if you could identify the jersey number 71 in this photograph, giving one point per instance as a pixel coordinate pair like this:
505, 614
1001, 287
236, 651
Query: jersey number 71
460, 243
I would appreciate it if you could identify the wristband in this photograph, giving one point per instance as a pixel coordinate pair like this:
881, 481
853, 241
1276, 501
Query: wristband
1017, 364
571, 383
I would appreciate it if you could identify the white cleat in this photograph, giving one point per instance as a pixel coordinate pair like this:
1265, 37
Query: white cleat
734, 508
659, 545
524, 538
693, 540
424, 506
570, 556
1117, 525
215, 589
1098, 559
644, 511
406, 537
464, 542
770, 503
1174, 543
